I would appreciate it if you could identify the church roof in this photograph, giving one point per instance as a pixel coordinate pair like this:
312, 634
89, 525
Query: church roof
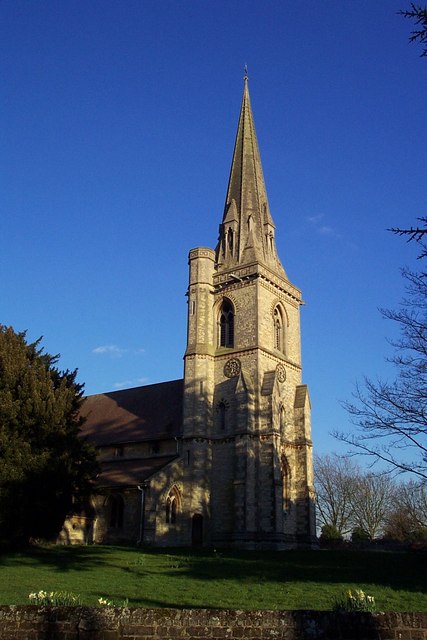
247, 229
152, 412
130, 472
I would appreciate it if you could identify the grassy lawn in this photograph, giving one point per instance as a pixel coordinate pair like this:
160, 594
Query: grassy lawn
205, 578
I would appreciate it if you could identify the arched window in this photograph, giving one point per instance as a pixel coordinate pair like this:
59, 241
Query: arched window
279, 330
286, 479
226, 325
116, 506
222, 411
172, 505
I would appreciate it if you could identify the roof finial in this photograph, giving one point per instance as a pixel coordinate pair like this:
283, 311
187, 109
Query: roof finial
246, 77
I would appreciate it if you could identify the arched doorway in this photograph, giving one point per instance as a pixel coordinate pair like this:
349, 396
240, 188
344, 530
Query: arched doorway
197, 530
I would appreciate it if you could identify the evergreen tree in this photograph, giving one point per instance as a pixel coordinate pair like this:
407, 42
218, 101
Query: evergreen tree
44, 465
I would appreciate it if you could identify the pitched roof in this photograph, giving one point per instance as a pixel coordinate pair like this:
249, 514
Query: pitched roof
123, 472
301, 396
152, 412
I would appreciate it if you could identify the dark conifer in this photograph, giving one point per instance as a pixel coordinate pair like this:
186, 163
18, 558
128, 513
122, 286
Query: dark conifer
45, 467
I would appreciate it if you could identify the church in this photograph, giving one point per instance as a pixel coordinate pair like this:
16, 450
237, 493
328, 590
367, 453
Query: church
223, 457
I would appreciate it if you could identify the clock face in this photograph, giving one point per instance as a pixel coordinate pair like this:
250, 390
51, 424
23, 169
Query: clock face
232, 368
281, 372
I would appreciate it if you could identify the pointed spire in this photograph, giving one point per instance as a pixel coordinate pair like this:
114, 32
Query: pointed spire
247, 229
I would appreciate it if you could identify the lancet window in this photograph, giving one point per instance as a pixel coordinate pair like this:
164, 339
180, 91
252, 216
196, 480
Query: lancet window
222, 415
279, 330
286, 479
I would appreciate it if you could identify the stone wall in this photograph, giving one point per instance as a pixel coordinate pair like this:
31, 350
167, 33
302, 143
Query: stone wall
86, 623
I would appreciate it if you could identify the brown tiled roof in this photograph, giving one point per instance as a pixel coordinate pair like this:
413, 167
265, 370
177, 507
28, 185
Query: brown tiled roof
122, 472
153, 412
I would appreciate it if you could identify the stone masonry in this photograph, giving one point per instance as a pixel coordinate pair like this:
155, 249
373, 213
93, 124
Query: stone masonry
85, 623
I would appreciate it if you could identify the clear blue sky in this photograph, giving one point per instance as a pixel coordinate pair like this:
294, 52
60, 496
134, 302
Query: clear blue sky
118, 124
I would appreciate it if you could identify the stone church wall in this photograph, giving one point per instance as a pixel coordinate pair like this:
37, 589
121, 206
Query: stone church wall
85, 623
223, 454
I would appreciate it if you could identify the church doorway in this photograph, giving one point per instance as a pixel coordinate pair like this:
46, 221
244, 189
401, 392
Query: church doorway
197, 530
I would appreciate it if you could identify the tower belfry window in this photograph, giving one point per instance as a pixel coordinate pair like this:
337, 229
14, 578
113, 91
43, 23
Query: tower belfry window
226, 325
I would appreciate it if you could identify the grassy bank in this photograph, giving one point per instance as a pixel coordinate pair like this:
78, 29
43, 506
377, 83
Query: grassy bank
206, 578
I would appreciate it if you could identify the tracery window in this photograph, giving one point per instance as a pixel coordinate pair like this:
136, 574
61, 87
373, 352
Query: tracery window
172, 506
226, 325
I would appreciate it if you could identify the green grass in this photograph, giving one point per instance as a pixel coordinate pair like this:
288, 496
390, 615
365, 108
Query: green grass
205, 578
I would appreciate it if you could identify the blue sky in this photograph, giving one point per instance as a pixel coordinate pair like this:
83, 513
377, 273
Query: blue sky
118, 125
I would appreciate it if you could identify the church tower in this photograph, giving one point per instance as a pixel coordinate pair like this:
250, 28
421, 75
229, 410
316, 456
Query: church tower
246, 447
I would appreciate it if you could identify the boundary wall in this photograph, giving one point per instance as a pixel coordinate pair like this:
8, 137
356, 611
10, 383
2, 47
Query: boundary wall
31, 622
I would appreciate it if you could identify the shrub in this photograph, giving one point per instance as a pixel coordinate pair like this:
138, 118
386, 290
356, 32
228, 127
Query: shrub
329, 532
359, 534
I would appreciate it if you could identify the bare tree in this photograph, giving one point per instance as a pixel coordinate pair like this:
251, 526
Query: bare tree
413, 496
371, 502
391, 417
407, 519
336, 480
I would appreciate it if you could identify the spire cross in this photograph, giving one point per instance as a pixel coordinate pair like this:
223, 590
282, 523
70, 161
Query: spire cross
246, 77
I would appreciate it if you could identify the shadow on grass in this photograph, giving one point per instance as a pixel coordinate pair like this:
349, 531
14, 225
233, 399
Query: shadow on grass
396, 570
63, 559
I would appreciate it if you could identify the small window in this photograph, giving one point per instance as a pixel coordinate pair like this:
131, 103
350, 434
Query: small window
117, 506
230, 241
286, 479
222, 415
279, 330
226, 325
155, 447
119, 451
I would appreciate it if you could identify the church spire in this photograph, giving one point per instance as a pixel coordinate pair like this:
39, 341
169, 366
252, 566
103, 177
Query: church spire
247, 228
